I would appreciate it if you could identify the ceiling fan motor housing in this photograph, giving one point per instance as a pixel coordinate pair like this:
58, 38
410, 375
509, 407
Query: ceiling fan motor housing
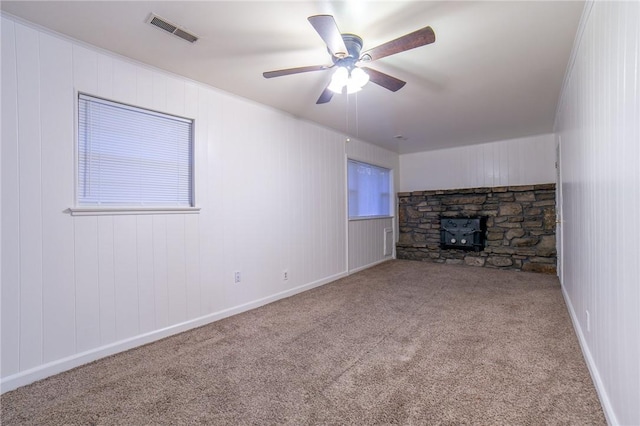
354, 46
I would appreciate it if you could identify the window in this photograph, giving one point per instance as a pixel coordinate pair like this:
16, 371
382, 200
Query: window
132, 157
369, 190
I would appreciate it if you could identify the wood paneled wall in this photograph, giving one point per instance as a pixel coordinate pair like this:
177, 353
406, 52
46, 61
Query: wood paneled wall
598, 128
525, 161
272, 192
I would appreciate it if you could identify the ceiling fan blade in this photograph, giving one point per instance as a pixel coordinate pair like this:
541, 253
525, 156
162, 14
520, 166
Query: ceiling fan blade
289, 71
328, 30
325, 96
384, 80
409, 41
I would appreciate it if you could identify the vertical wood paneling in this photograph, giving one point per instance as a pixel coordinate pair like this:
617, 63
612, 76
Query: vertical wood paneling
105, 76
10, 193
144, 88
29, 165
56, 112
367, 236
125, 268
337, 190
87, 287
599, 135
145, 273
192, 266
176, 269
87, 283
159, 92
294, 229
124, 81
160, 271
175, 96
192, 222
503, 165
106, 280
207, 166
523, 161
85, 70
144, 224
233, 207
326, 220
488, 166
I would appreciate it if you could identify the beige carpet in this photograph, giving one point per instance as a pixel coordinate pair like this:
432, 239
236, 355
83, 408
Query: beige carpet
401, 343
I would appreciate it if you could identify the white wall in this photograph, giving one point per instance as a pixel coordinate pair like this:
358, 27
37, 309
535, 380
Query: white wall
524, 161
74, 288
598, 125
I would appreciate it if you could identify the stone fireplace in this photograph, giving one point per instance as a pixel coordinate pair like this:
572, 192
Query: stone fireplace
519, 232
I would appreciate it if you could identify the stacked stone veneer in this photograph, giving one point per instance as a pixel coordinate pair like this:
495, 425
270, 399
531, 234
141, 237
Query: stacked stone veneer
520, 226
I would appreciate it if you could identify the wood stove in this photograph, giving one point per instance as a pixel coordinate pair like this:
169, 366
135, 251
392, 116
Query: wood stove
463, 233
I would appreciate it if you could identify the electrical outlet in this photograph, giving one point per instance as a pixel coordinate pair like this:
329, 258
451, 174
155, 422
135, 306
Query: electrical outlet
285, 275
236, 277
588, 321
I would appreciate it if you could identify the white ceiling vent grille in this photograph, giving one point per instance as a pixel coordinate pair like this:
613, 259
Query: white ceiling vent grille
167, 26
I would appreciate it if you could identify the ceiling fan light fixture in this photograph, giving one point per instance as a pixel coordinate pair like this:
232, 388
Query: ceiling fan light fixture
353, 80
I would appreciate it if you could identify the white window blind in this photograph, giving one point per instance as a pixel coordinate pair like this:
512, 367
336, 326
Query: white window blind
369, 190
129, 156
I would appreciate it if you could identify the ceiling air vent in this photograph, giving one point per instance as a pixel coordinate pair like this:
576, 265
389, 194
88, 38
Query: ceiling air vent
167, 26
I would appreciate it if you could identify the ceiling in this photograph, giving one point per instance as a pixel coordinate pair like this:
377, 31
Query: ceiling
494, 72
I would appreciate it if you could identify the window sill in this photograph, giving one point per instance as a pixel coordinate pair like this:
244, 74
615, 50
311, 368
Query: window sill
110, 211
369, 218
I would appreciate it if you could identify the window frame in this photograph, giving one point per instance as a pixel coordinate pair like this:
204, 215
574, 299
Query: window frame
391, 192
79, 209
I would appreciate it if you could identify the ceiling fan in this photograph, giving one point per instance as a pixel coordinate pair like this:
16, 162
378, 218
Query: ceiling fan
346, 56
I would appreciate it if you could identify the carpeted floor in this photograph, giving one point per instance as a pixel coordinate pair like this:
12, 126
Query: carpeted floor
401, 343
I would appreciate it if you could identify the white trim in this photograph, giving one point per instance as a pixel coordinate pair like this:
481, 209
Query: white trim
110, 211
356, 218
377, 262
346, 204
559, 211
609, 413
26, 377
368, 162
82, 95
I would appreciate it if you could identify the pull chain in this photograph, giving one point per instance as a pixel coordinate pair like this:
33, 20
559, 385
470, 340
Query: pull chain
347, 116
357, 119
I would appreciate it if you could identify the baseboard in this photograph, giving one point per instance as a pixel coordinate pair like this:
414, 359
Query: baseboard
593, 369
46, 370
377, 262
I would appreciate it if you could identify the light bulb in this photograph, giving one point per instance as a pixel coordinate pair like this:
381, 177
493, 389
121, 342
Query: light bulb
359, 77
339, 80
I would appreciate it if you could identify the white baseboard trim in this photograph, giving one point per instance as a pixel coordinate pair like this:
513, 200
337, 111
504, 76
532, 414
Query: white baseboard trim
58, 366
377, 262
593, 369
